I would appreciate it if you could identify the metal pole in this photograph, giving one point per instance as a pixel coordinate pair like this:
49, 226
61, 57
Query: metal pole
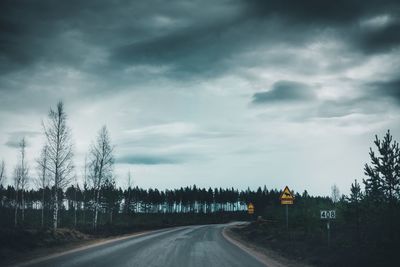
329, 233
287, 217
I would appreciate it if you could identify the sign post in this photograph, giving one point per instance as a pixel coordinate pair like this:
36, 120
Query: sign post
328, 215
286, 199
287, 217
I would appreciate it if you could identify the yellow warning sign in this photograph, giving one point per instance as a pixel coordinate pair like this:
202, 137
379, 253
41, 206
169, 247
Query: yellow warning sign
286, 197
250, 208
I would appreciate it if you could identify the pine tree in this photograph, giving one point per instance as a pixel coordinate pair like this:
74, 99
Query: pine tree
383, 182
355, 199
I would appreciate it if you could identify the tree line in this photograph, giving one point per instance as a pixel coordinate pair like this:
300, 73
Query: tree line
110, 201
59, 191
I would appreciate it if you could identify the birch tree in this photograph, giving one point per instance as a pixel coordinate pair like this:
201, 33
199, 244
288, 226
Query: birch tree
60, 165
17, 182
43, 176
85, 189
75, 199
101, 166
2, 172
23, 175
335, 195
128, 198
20, 182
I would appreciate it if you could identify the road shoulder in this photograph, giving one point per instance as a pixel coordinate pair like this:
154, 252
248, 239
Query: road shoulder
40, 254
266, 256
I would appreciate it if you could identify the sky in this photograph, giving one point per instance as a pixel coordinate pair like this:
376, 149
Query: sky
213, 93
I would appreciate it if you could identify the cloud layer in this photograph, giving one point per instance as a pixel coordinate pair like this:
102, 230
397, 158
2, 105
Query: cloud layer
186, 87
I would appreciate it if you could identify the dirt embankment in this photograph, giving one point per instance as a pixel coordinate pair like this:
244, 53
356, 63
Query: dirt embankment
249, 238
22, 244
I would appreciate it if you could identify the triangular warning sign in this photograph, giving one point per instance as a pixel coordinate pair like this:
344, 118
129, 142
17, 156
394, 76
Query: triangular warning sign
286, 194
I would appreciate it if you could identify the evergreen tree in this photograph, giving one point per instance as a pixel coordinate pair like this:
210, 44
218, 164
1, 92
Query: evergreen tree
383, 182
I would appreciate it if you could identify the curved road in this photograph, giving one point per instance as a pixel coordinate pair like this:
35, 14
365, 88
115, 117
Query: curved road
193, 246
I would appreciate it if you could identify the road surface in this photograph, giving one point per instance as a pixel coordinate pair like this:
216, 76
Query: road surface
189, 246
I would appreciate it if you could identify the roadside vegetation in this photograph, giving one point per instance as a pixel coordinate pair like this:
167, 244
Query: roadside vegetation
366, 229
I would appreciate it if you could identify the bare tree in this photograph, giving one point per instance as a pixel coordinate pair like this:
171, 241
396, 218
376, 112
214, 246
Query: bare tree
20, 182
2, 172
17, 183
43, 177
75, 199
335, 193
24, 175
60, 154
101, 166
85, 187
129, 188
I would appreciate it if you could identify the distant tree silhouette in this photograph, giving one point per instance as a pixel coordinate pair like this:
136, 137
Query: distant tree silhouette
111, 197
355, 198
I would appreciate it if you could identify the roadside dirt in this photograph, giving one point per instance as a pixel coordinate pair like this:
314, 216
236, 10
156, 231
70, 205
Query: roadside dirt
268, 257
53, 244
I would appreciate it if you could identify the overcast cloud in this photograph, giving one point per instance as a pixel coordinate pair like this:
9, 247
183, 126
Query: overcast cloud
213, 93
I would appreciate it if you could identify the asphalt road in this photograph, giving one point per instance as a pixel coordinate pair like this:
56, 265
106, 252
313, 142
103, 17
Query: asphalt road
187, 246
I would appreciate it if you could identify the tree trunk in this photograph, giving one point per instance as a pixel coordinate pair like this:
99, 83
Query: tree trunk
96, 209
23, 205
75, 214
42, 222
55, 212
75, 208
84, 208
16, 209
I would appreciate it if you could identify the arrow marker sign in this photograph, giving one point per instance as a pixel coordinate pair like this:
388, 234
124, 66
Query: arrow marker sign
250, 208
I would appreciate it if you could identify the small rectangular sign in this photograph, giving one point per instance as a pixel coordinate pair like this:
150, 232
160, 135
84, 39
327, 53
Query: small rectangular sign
286, 202
328, 214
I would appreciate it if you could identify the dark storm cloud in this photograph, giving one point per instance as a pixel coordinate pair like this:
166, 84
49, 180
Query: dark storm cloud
374, 98
285, 91
342, 16
389, 89
191, 37
187, 51
321, 12
381, 38
115, 44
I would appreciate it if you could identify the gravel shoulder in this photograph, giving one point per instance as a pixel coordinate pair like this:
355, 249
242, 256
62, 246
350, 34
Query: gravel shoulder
10, 257
267, 256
